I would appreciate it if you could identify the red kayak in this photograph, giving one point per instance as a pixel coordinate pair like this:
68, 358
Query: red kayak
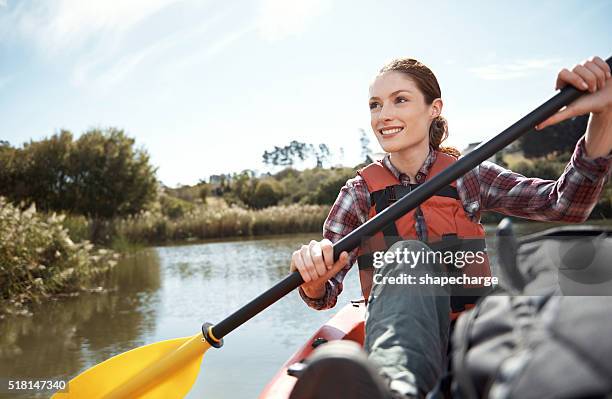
348, 323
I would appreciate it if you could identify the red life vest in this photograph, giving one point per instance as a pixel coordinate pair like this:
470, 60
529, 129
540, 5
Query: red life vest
448, 227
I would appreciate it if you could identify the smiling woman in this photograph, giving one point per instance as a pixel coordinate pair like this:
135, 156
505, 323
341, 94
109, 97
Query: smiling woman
406, 336
414, 109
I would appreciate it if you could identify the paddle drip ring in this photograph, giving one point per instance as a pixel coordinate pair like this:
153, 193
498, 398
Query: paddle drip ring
210, 337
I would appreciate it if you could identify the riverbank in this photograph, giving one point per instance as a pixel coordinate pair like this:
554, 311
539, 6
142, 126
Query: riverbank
200, 223
44, 256
39, 259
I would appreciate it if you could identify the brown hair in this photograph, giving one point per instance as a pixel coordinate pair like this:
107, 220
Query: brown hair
427, 83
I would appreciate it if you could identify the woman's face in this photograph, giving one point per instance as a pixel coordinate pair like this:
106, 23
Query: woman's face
400, 117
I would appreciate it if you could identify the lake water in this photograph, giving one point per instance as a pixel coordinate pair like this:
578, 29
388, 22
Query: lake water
168, 292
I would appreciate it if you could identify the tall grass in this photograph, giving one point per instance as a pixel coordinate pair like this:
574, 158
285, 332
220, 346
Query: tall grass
38, 258
202, 222
207, 222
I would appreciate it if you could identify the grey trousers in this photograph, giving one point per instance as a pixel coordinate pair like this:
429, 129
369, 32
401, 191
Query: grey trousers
407, 325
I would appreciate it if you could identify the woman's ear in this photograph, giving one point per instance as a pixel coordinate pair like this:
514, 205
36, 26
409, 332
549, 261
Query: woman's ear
436, 107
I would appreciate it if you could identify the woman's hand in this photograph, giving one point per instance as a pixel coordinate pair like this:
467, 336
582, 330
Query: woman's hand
315, 262
592, 75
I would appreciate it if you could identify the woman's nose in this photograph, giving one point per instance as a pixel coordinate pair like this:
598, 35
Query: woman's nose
386, 112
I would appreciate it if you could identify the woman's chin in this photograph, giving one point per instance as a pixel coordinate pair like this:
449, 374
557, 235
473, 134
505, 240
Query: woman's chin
398, 145
392, 147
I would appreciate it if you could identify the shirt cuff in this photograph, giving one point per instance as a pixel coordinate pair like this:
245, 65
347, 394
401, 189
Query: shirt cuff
319, 303
593, 169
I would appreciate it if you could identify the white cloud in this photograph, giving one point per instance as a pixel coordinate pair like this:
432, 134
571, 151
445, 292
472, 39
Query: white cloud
102, 76
2, 3
175, 67
228, 39
514, 70
102, 67
107, 65
278, 19
66, 24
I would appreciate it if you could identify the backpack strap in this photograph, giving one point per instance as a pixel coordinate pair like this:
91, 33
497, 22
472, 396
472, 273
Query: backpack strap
461, 343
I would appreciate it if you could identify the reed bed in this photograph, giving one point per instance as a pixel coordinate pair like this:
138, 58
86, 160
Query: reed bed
38, 258
206, 223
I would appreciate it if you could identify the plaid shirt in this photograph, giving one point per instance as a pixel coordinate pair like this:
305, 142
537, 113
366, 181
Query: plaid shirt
488, 187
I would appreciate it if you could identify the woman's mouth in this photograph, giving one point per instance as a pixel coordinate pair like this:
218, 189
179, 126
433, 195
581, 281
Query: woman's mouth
388, 132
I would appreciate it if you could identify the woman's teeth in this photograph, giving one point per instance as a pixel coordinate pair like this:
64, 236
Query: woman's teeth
391, 131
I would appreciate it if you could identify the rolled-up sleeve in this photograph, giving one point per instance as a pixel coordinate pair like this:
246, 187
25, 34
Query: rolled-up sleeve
348, 212
570, 198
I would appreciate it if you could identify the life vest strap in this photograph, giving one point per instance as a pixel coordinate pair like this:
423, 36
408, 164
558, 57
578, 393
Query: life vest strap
400, 191
390, 232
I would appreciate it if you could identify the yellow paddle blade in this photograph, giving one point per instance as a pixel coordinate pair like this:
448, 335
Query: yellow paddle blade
165, 369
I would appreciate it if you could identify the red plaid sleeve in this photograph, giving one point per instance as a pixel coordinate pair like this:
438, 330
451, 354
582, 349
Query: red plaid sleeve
350, 210
570, 198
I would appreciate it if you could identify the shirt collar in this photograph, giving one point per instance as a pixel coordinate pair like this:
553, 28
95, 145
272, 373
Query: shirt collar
423, 171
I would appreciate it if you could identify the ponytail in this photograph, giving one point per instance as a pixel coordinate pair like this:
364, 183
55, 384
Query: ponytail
438, 132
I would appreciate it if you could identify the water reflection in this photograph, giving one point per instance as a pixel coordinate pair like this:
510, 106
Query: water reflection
64, 337
241, 260
168, 292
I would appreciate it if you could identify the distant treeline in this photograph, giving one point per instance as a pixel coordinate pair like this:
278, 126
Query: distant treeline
102, 176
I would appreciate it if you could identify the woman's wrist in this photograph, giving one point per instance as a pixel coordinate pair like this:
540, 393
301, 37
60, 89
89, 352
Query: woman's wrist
315, 292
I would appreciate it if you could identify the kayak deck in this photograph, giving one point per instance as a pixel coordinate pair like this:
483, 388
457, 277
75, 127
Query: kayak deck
348, 324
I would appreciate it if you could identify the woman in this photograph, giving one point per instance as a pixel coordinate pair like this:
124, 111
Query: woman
406, 339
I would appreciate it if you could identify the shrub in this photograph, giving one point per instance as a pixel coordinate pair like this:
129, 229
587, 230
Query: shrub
267, 193
543, 169
38, 258
174, 207
328, 191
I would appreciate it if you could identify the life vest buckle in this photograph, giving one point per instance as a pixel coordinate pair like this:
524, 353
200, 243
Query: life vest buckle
391, 196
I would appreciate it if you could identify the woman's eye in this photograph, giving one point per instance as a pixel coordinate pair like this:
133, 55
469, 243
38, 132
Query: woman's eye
373, 105
401, 100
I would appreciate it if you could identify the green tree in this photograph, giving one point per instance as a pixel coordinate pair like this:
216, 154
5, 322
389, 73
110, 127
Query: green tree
100, 175
294, 151
174, 207
328, 191
267, 193
45, 171
243, 185
559, 138
321, 154
204, 192
364, 142
9, 158
547, 170
111, 177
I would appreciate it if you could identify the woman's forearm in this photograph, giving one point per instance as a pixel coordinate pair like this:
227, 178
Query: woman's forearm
569, 199
598, 139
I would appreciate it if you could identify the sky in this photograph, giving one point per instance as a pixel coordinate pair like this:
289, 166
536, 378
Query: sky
205, 87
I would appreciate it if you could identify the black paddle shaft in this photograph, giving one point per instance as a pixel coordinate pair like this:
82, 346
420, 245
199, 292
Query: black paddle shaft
481, 153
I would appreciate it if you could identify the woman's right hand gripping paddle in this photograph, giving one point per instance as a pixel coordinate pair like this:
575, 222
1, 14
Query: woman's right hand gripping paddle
316, 265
